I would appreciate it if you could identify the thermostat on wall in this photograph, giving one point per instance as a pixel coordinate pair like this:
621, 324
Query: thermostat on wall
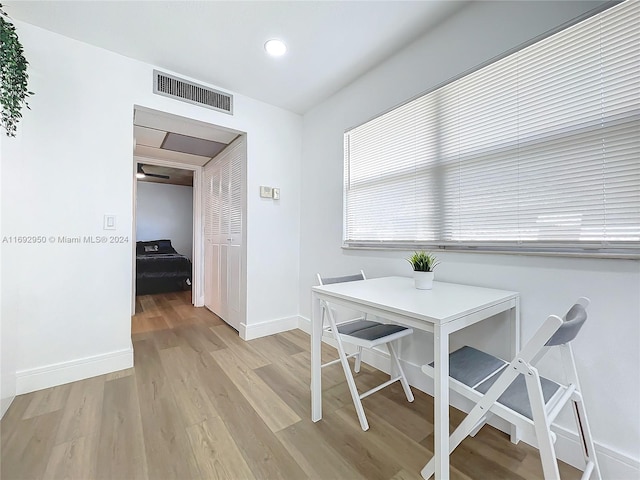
266, 192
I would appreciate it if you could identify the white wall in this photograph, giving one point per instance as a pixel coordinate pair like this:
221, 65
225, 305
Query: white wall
8, 256
608, 348
73, 300
165, 211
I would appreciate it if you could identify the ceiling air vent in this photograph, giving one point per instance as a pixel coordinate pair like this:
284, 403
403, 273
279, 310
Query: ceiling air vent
170, 86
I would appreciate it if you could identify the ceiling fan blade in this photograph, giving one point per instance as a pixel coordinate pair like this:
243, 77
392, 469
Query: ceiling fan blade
166, 177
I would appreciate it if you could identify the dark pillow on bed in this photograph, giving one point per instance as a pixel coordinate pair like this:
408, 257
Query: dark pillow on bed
164, 246
154, 246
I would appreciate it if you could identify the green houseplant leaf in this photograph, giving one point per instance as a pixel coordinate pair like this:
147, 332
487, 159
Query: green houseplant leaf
423, 261
13, 76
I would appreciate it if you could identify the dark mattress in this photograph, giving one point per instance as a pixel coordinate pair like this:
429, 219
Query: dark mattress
159, 268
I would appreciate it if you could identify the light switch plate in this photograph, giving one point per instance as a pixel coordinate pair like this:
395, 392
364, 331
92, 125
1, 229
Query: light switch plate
276, 194
109, 222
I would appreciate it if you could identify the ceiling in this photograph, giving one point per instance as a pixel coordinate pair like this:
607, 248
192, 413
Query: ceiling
330, 43
163, 140
177, 176
171, 138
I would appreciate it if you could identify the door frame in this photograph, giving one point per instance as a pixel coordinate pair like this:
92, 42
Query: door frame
197, 262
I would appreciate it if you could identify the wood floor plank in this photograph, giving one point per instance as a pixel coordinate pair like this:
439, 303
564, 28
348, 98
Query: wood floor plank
483, 467
47, 400
178, 316
316, 455
357, 448
299, 337
275, 347
331, 375
192, 399
164, 339
148, 303
399, 411
184, 312
75, 459
29, 452
11, 420
295, 369
166, 445
404, 451
83, 409
146, 323
207, 316
138, 308
121, 443
200, 338
295, 394
298, 395
405, 475
271, 408
216, 453
119, 374
266, 458
247, 355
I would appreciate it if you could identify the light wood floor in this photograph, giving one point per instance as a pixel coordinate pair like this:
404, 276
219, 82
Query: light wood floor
202, 403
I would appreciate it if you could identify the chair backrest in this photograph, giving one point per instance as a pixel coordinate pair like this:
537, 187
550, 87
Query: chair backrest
555, 331
342, 279
571, 324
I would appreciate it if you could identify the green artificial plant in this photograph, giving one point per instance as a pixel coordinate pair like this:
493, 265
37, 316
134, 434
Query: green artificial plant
13, 75
423, 261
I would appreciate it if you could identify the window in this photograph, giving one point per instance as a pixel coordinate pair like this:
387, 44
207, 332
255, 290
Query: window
538, 151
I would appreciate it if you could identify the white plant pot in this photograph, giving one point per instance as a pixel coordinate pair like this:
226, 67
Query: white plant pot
423, 280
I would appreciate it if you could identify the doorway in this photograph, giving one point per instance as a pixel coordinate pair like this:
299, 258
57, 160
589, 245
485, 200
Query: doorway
165, 144
164, 230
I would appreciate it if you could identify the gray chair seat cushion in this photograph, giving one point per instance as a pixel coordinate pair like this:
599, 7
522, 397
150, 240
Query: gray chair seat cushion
471, 366
349, 328
515, 396
368, 330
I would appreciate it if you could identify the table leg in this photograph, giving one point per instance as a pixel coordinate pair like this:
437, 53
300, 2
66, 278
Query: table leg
514, 320
441, 401
316, 359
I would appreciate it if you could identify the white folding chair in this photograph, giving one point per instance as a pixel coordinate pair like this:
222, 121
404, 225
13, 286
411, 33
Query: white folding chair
362, 333
516, 392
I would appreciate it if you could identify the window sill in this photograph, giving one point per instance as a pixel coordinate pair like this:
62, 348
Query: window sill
619, 254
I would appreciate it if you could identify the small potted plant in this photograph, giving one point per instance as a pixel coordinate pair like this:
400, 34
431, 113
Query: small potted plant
423, 264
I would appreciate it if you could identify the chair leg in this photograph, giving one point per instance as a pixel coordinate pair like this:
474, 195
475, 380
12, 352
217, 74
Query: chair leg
542, 426
588, 447
403, 379
358, 360
476, 416
355, 396
580, 413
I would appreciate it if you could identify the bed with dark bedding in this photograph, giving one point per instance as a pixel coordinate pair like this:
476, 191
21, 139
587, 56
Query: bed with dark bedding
159, 268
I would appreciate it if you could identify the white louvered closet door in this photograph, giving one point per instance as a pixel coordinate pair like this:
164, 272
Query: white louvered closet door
223, 233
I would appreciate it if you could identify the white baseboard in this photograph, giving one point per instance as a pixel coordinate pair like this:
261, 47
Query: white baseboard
60, 373
613, 464
270, 327
304, 324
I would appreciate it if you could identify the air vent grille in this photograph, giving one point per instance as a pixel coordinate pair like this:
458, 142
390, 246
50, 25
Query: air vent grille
170, 86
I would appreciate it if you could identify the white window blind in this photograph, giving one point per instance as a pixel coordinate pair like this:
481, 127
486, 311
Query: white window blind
537, 151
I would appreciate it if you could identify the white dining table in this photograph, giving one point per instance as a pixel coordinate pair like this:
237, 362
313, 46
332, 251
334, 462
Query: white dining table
444, 309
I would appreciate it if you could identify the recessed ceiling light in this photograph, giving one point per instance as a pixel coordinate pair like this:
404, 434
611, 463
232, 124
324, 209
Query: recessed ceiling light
275, 47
